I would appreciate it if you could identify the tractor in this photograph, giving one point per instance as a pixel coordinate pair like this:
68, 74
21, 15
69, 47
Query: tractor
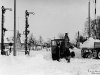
91, 52
60, 52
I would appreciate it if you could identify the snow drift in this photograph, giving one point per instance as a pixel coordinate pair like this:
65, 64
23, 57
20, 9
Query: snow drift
89, 43
77, 52
40, 63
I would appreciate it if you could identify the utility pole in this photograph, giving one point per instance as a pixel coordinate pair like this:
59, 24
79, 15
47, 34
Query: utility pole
89, 33
78, 40
26, 30
14, 51
95, 21
3, 29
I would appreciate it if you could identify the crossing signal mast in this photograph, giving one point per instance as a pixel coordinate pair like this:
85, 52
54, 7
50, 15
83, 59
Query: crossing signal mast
26, 29
3, 29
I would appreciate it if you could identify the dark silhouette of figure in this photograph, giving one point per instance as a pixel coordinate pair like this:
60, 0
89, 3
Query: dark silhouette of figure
58, 51
10, 49
62, 49
10, 44
29, 51
67, 45
3, 52
67, 54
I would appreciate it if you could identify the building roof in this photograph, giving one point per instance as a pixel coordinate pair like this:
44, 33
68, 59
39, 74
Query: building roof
8, 37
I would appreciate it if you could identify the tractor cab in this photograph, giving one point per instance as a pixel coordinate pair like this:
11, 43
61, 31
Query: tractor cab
54, 44
60, 48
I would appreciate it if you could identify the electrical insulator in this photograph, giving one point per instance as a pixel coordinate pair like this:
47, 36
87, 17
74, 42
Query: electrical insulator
28, 32
26, 12
27, 26
4, 29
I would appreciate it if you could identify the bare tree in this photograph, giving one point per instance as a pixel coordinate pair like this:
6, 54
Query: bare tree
31, 40
95, 28
40, 40
61, 35
49, 42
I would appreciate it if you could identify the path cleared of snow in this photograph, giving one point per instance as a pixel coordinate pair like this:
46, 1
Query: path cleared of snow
41, 63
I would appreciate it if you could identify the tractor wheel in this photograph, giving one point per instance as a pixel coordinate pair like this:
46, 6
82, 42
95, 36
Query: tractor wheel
72, 54
94, 54
98, 55
82, 53
90, 55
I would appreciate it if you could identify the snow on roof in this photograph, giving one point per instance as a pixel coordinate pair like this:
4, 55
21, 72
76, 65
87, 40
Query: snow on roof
8, 34
89, 43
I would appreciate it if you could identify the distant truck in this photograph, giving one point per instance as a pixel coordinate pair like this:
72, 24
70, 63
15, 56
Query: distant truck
91, 52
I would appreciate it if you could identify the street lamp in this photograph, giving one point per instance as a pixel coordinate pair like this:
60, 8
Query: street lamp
3, 29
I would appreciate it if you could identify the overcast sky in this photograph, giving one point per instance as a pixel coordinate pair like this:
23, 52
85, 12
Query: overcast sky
51, 16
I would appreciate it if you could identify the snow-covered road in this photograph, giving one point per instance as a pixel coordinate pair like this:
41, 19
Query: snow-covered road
40, 63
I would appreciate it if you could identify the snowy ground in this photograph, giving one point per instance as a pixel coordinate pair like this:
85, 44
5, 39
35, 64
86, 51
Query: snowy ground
40, 63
